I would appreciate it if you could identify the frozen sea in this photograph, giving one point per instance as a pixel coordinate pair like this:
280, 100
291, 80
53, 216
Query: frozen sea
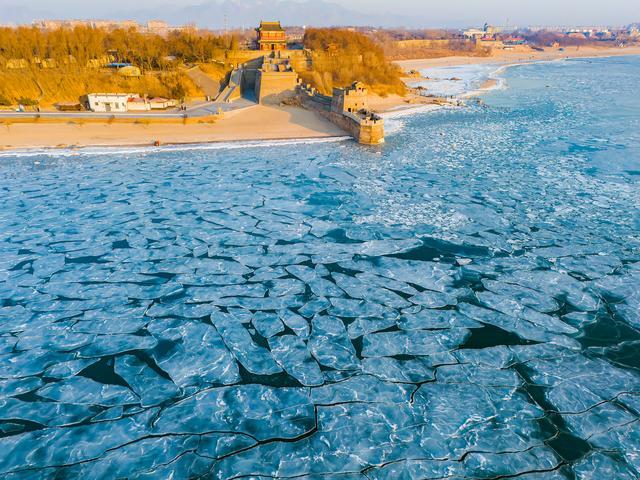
462, 302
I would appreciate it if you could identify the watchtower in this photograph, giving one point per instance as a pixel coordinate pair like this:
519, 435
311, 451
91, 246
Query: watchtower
271, 36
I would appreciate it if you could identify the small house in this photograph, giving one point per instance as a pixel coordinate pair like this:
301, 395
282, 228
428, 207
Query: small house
109, 102
160, 103
138, 104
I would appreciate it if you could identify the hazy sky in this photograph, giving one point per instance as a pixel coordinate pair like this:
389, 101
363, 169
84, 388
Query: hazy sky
428, 13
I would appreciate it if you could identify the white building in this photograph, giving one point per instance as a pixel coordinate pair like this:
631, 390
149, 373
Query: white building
110, 102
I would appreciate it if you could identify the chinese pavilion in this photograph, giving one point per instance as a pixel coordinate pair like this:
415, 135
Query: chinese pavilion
271, 36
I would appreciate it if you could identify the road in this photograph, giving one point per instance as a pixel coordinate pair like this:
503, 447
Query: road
194, 110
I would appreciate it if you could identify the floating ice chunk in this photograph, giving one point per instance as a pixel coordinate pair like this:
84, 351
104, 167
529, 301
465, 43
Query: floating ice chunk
268, 273
104, 345
538, 459
82, 390
503, 420
269, 303
30, 362
432, 299
209, 280
631, 401
314, 307
68, 369
144, 459
363, 326
285, 287
208, 266
254, 358
376, 248
414, 342
592, 266
388, 283
295, 322
7, 344
330, 344
39, 449
521, 327
216, 445
112, 325
602, 465
322, 287
357, 289
155, 292
361, 388
478, 375
150, 386
267, 324
20, 386
55, 337
183, 310
256, 410
416, 370
110, 414
44, 267
216, 293
292, 355
496, 357
304, 273
515, 309
531, 298
429, 275
344, 307
196, 354
50, 414
557, 285
427, 319
416, 468
596, 423
320, 228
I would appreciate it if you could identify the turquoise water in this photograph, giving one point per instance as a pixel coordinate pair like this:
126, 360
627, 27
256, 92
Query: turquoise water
463, 302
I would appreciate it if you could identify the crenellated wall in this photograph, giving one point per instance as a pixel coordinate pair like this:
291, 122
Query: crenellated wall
367, 129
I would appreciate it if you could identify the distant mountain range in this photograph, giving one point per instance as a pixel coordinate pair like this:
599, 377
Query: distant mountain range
248, 13
214, 14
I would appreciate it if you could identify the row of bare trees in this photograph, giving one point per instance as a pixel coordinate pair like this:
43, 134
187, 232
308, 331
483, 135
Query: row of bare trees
83, 44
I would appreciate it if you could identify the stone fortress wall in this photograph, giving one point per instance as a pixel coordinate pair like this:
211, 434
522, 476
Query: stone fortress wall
366, 127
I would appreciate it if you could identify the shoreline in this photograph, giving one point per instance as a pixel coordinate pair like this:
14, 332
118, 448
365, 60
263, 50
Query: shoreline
507, 58
253, 124
259, 124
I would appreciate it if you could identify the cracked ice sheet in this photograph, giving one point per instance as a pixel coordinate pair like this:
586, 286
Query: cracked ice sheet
440, 312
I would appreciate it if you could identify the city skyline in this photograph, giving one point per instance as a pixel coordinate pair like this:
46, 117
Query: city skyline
408, 13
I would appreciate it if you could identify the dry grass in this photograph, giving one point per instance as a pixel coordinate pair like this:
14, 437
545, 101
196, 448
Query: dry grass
68, 85
217, 71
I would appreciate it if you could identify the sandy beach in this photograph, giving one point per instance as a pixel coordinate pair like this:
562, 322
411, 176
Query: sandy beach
254, 123
506, 57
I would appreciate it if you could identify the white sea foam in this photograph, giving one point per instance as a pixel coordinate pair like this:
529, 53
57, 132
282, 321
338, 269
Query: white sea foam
133, 150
